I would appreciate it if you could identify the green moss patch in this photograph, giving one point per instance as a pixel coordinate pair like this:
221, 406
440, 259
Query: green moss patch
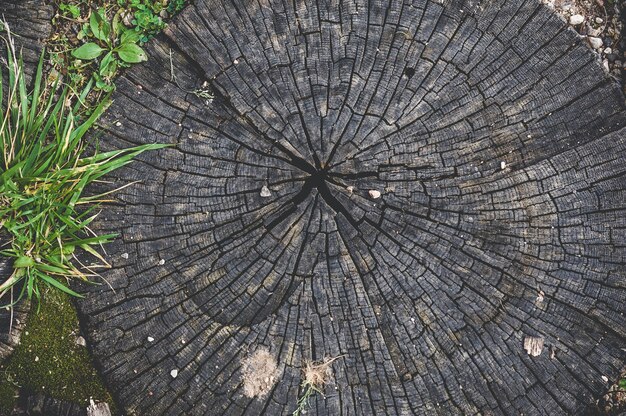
48, 359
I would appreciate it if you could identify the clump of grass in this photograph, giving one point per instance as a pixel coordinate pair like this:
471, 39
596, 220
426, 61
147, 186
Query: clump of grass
316, 376
43, 175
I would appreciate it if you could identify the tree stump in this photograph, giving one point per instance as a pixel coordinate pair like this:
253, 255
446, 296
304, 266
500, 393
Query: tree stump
414, 186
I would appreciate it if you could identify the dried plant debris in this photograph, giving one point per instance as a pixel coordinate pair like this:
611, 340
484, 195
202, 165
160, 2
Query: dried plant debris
260, 373
316, 376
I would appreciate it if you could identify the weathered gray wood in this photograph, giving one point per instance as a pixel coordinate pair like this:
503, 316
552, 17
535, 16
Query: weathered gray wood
98, 409
427, 290
30, 24
41, 405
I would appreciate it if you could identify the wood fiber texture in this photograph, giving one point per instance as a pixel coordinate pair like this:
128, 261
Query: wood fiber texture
29, 21
427, 291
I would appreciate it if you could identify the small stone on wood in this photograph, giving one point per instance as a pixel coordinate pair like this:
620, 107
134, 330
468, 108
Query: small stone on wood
174, 373
374, 193
503, 165
265, 192
533, 345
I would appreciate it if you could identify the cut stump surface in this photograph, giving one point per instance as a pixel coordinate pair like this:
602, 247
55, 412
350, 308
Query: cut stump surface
415, 186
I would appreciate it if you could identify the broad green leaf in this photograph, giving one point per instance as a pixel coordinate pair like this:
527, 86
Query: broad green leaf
130, 36
88, 51
105, 64
99, 26
131, 53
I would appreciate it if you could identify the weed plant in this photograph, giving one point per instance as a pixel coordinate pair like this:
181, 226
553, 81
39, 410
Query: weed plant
43, 175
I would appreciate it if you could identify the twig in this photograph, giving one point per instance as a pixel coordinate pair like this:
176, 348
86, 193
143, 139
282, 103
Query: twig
204, 93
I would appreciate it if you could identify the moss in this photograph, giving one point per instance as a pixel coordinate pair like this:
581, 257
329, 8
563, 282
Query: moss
49, 361
8, 393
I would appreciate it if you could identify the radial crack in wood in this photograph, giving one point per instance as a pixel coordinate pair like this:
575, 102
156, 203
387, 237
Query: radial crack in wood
428, 290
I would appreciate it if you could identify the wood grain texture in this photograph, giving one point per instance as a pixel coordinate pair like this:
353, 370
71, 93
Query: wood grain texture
29, 21
428, 290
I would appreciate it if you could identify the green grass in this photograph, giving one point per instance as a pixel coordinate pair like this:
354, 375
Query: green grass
49, 361
43, 175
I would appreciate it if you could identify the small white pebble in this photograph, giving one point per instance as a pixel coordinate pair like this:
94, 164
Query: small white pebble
605, 379
540, 296
503, 165
265, 192
161, 262
374, 193
236, 61
36, 359
150, 339
350, 189
596, 43
174, 373
576, 19
599, 20
124, 255
118, 124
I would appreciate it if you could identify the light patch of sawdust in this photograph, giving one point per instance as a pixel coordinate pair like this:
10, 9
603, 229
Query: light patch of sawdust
260, 373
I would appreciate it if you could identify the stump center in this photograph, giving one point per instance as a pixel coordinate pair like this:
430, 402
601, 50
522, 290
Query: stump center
318, 179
